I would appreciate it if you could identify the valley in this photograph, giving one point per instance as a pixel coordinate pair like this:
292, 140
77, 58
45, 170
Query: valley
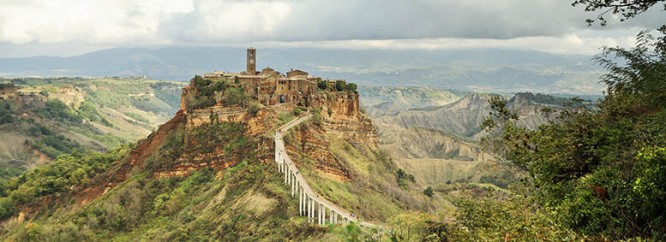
44, 118
436, 134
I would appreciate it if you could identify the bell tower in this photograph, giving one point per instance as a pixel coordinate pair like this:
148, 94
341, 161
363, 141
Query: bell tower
251, 61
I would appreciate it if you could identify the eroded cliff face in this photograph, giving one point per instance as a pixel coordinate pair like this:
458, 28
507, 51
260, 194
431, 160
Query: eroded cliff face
310, 143
221, 136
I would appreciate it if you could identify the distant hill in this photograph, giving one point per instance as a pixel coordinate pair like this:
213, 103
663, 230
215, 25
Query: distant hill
433, 133
381, 101
41, 119
494, 70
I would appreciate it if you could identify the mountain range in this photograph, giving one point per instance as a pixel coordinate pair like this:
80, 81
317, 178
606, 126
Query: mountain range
496, 70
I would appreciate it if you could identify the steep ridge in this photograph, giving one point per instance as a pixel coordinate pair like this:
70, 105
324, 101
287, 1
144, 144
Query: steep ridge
208, 172
463, 117
439, 144
47, 117
382, 101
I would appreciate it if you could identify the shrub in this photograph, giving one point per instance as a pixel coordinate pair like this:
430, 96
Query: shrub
254, 108
428, 192
323, 85
340, 85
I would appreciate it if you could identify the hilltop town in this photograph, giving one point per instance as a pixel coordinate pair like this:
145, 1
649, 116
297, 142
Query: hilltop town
269, 87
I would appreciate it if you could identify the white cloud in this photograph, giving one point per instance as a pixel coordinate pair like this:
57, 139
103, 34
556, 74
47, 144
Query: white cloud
46, 22
549, 25
215, 20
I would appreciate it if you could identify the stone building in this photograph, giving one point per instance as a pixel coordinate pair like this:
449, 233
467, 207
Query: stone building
268, 86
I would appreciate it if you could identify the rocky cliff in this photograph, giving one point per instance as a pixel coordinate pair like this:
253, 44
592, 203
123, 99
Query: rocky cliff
210, 171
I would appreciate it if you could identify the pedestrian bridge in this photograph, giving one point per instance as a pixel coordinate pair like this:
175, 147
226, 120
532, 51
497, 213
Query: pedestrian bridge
310, 204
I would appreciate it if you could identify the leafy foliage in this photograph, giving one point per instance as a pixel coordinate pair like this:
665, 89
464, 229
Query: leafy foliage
342, 85
401, 176
625, 9
57, 177
496, 216
56, 109
6, 113
601, 173
428, 192
236, 96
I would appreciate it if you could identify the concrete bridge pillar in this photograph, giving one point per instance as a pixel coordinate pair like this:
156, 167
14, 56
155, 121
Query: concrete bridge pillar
306, 206
318, 214
309, 207
302, 202
285, 178
312, 209
293, 186
330, 216
279, 161
321, 214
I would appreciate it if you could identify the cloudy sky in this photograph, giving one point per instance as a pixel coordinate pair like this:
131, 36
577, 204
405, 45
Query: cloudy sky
72, 27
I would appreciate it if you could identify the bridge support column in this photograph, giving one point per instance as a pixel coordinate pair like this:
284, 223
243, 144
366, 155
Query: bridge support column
306, 208
335, 219
309, 207
302, 202
291, 185
285, 176
281, 161
312, 209
318, 214
321, 214
330, 216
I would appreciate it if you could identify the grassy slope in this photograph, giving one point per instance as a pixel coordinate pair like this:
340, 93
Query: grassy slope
246, 202
123, 110
373, 192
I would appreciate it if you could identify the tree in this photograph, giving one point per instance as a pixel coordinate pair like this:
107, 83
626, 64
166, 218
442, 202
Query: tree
429, 192
642, 71
626, 9
602, 173
340, 85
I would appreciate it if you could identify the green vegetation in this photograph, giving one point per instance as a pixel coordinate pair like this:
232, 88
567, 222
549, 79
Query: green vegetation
342, 85
6, 112
551, 100
236, 96
242, 202
401, 176
206, 93
87, 110
54, 145
601, 173
56, 116
428, 192
167, 92
322, 84
58, 110
58, 177
137, 117
492, 216
339, 85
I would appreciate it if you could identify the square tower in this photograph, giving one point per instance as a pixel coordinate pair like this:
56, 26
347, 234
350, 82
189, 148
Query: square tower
251, 61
